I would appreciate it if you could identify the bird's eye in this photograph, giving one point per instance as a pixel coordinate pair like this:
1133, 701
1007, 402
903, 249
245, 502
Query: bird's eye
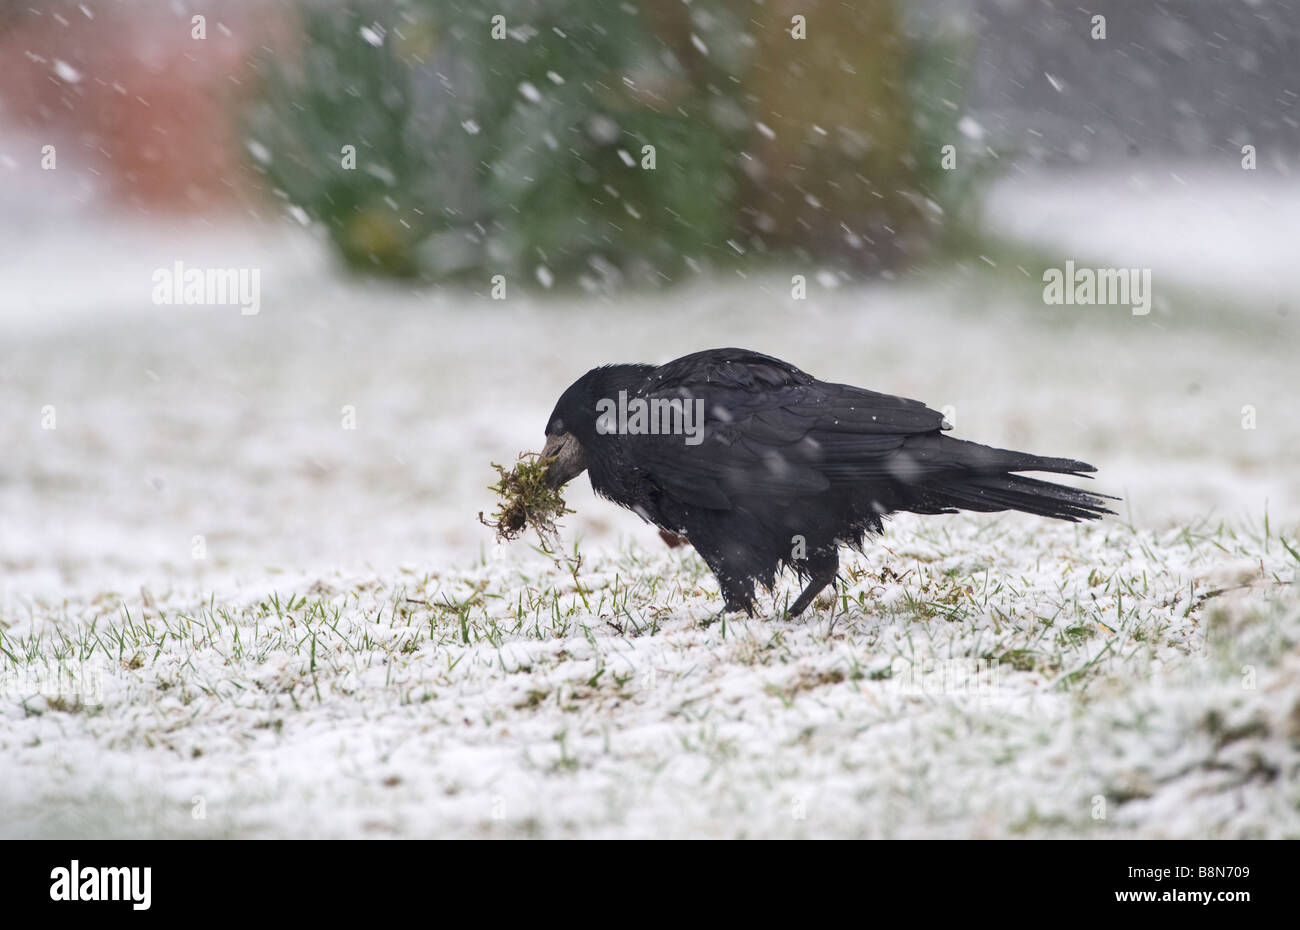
557, 426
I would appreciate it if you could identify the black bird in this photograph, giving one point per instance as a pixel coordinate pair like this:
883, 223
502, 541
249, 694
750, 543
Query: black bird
761, 466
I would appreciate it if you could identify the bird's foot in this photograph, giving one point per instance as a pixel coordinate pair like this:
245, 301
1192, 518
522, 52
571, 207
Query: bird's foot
815, 587
720, 616
730, 607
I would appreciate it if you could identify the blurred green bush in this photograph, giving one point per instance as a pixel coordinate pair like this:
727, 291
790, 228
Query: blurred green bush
578, 141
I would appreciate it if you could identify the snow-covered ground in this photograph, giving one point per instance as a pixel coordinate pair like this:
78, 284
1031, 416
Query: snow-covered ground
1226, 233
297, 628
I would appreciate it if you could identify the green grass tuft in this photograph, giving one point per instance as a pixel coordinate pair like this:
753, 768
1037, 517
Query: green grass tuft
527, 500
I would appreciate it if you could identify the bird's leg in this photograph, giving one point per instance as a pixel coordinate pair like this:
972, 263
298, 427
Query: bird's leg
824, 568
815, 587
721, 615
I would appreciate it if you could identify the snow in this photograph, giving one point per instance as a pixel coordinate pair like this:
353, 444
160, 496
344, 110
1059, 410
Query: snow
66, 72
970, 128
633, 720
261, 154
354, 655
1227, 231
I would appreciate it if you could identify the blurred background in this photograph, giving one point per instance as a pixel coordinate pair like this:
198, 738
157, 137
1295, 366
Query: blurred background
455, 209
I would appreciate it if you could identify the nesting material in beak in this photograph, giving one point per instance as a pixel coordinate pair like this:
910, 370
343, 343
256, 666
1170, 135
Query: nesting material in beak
527, 499
570, 460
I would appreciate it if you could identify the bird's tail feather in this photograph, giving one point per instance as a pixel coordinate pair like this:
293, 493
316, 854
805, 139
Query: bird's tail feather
987, 481
1029, 495
988, 460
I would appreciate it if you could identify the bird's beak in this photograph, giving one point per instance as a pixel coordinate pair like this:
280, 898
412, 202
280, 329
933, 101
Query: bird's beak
570, 460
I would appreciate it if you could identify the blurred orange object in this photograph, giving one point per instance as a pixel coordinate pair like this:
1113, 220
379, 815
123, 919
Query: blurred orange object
133, 96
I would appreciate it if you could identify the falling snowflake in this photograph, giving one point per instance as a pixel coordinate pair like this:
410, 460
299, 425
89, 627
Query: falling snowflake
66, 72
970, 129
261, 154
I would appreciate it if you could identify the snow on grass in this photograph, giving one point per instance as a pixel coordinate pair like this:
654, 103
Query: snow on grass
974, 677
348, 653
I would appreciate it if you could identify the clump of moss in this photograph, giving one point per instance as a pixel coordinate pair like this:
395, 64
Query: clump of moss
526, 500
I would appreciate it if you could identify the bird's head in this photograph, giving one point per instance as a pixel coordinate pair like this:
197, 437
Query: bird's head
573, 438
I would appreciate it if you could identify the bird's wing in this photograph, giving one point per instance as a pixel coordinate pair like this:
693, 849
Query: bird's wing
735, 368
772, 432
